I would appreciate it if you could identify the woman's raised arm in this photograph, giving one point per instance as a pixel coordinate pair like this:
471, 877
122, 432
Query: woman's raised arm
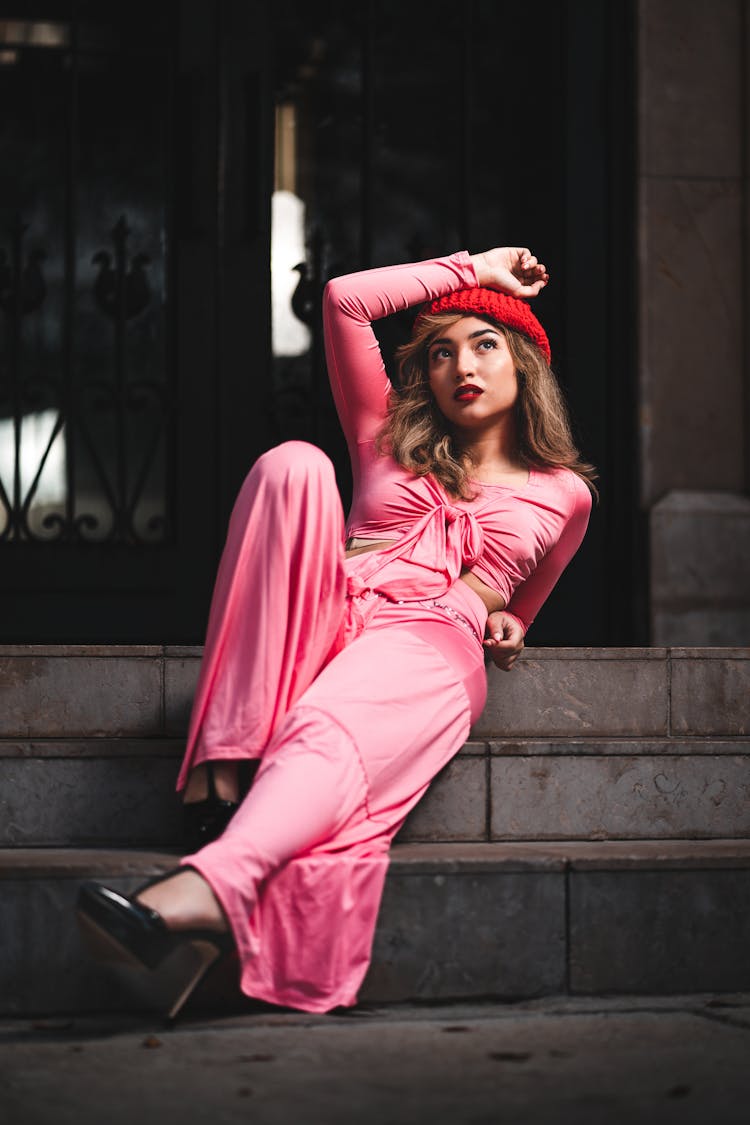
355, 366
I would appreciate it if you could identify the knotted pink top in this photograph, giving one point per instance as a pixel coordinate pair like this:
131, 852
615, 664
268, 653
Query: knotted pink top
517, 540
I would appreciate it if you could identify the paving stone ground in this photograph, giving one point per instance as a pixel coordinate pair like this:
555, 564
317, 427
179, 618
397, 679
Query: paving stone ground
675, 1061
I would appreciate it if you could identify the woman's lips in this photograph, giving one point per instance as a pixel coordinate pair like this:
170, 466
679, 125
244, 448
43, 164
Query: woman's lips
467, 392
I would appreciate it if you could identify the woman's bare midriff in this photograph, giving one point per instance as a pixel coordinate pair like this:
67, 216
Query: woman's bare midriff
362, 546
492, 600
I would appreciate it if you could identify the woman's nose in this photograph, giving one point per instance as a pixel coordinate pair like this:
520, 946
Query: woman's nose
464, 363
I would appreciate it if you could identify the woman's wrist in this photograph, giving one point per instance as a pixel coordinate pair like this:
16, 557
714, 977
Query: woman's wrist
479, 265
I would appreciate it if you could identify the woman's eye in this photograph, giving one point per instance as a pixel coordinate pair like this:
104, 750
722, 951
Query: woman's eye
440, 353
488, 344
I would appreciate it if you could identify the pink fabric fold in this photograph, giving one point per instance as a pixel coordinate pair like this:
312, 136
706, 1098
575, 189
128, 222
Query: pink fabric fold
441, 543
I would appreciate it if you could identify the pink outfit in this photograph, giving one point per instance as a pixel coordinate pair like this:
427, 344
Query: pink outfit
354, 680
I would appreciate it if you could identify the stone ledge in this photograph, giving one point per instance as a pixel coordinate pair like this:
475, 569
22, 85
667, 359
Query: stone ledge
633, 746
660, 855
84, 863
616, 797
710, 696
195, 652
570, 691
64, 692
456, 806
121, 793
413, 859
578, 855
628, 745
456, 921
644, 653
94, 694
94, 748
105, 651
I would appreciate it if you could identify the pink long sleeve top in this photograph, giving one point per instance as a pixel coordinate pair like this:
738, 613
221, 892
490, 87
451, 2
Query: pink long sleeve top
515, 539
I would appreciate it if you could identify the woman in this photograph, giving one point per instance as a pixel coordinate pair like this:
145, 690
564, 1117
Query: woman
355, 676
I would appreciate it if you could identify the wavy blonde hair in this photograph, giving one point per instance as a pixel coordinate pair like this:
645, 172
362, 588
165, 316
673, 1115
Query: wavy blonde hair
420, 439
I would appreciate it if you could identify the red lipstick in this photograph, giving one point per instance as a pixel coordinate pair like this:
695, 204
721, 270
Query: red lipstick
466, 392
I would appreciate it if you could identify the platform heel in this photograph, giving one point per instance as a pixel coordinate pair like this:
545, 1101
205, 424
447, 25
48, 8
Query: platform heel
120, 929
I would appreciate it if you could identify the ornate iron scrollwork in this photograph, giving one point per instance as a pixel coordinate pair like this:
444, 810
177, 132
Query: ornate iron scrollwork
124, 291
121, 292
114, 421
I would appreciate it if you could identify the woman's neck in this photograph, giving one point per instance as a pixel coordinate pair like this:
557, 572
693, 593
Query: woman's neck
489, 458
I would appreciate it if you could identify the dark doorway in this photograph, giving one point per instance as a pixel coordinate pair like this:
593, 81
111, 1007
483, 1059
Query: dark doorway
177, 183
402, 135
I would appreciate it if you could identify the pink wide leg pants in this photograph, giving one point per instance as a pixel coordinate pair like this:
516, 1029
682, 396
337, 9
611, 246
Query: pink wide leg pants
352, 702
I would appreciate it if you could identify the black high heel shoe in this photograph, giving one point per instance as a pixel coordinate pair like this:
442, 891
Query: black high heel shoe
204, 821
121, 929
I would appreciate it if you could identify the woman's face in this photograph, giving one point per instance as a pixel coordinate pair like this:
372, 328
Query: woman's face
471, 374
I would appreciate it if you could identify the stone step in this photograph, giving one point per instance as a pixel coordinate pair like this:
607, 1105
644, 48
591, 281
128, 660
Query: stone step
120, 792
574, 744
90, 691
458, 921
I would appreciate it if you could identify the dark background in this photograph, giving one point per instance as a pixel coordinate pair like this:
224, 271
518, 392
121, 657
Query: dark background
137, 156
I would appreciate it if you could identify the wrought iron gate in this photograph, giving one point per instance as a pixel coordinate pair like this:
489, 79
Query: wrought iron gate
116, 239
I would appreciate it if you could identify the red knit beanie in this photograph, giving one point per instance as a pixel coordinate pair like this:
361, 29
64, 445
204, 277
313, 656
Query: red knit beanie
502, 308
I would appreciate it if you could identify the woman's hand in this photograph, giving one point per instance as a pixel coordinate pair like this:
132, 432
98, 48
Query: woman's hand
504, 641
511, 269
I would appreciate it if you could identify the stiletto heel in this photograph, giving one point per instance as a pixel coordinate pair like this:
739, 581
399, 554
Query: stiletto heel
204, 821
119, 928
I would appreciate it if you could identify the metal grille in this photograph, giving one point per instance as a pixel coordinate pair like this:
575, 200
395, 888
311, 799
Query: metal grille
85, 429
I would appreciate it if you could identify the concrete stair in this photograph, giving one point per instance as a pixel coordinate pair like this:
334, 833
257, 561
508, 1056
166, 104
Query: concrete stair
592, 836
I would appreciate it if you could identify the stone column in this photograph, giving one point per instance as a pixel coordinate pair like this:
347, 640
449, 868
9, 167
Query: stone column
692, 296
